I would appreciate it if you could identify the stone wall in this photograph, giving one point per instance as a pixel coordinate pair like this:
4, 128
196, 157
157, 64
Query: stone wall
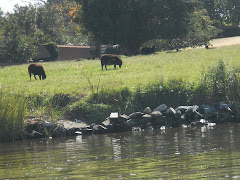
66, 52
73, 52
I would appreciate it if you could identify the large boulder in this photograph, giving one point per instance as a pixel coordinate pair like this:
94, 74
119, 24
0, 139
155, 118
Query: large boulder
136, 115
161, 108
170, 112
147, 110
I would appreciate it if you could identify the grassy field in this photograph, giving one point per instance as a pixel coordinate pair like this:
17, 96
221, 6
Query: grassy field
81, 90
82, 77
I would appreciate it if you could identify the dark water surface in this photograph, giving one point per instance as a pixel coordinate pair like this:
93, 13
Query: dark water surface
177, 153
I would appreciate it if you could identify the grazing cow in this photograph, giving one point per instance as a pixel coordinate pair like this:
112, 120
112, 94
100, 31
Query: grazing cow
36, 69
110, 59
147, 50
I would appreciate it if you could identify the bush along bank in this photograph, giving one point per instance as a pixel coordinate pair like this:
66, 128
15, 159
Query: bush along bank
160, 118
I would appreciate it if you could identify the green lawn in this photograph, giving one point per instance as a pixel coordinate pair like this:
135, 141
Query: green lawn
76, 77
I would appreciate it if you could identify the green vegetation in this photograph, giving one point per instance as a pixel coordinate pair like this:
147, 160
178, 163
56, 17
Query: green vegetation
12, 113
81, 90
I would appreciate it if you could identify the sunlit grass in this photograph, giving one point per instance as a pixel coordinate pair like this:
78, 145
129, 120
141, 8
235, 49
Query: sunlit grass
81, 90
67, 77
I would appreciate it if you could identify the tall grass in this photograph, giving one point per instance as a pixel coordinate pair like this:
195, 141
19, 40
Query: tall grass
48, 107
219, 83
12, 113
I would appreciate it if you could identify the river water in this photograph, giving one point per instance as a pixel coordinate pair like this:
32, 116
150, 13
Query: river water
177, 153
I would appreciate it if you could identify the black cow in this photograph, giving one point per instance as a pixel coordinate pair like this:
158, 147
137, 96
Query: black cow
110, 59
36, 69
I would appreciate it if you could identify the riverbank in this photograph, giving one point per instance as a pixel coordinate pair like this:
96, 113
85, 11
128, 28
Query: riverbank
81, 91
162, 117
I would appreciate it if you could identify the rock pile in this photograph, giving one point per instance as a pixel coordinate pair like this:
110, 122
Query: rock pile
161, 117
167, 117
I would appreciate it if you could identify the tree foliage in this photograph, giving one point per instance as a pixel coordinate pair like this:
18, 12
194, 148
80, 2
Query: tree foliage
130, 23
171, 24
29, 26
223, 12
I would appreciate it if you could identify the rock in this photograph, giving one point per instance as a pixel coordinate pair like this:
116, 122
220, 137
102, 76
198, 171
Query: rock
59, 131
197, 116
182, 109
136, 115
99, 129
147, 110
223, 105
183, 118
131, 123
147, 116
189, 113
145, 119
36, 134
121, 127
71, 127
117, 119
178, 115
33, 125
170, 112
123, 118
106, 122
87, 129
156, 114
147, 127
208, 111
160, 121
161, 108
49, 126
114, 117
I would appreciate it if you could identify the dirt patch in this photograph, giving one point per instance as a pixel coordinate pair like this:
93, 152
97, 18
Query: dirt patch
225, 41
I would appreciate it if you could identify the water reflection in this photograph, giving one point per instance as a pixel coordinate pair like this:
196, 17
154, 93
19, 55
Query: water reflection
177, 153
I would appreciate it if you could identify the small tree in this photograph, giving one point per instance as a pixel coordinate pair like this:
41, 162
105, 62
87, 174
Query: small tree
16, 47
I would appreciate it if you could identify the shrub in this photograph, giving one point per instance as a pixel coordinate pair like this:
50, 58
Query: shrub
53, 50
219, 83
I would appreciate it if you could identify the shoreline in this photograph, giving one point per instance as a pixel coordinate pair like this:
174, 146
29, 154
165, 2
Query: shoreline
160, 118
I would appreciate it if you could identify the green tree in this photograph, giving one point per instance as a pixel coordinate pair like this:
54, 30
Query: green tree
16, 47
223, 12
29, 26
130, 23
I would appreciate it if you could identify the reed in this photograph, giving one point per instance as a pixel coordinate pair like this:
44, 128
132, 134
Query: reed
47, 107
12, 113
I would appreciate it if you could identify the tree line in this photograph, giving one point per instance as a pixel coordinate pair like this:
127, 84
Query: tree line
167, 24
